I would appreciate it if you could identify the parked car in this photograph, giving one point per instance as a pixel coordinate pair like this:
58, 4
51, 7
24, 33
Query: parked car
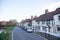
29, 29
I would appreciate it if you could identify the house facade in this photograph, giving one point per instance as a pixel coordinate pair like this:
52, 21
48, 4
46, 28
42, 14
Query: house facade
26, 23
57, 22
48, 22
35, 24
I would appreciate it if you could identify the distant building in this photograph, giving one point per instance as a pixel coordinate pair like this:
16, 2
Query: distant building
26, 23
35, 24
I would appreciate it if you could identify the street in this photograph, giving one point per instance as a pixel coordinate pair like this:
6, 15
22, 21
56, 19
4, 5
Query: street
19, 34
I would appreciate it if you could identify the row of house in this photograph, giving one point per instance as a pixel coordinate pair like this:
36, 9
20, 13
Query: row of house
48, 22
26, 23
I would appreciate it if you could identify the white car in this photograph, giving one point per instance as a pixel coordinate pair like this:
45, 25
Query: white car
29, 29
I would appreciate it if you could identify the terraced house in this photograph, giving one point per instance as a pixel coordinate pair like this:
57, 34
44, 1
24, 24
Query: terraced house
26, 23
48, 22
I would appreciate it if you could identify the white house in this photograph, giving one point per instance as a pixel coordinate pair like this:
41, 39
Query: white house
26, 23
57, 22
35, 24
48, 22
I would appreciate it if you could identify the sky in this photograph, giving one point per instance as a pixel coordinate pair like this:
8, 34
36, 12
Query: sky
24, 9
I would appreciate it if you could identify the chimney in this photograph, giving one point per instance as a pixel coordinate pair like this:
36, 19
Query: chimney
31, 17
35, 16
46, 11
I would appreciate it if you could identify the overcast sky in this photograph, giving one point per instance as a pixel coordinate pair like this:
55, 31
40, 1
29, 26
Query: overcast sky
23, 9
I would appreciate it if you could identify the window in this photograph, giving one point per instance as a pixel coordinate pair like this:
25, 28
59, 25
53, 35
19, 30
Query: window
43, 22
48, 22
37, 28
59, 17
58, 28
43, 27
33, 26
38, 22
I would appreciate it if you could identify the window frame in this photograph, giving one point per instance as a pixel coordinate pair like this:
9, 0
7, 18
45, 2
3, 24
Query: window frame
48, 22
59, 17
43, 22
58, 28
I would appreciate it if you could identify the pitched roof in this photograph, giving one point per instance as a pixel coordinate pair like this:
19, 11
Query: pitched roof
49, 16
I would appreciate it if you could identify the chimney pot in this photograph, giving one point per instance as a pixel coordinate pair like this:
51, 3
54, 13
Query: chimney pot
46, 11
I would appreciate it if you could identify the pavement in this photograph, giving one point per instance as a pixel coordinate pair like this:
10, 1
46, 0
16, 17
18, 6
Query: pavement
19, 34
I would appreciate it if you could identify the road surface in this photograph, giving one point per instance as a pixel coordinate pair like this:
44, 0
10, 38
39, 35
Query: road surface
19, 34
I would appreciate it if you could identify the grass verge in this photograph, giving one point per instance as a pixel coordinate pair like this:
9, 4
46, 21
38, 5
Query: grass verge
5, 35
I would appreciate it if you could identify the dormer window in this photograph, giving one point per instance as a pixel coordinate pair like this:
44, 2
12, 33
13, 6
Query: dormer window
59, 17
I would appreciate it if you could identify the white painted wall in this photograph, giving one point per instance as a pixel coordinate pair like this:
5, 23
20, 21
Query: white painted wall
53, 24
35, 26
26, 25
57, 22
40, 24
47, 30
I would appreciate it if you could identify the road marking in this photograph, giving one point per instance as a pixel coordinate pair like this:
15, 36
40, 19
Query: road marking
12, 35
